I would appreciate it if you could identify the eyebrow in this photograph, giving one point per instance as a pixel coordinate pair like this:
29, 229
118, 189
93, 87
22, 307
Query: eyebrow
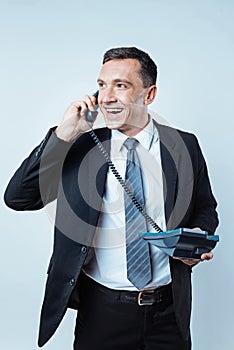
117, 80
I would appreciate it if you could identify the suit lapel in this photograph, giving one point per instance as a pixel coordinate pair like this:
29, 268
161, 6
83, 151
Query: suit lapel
169, 160
97, 168
169, 180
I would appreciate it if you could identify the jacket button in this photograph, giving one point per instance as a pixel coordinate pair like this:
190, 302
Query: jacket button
84, 249
72, 282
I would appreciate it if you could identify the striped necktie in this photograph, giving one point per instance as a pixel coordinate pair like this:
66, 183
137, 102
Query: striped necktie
137, 250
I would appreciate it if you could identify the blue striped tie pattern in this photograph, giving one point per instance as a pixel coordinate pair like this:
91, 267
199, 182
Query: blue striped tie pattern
137, 249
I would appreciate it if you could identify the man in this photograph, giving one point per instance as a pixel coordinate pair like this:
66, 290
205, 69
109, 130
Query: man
89, 268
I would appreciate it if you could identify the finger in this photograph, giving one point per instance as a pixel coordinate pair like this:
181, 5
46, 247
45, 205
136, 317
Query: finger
83, 108
207, 256
189, 262
90, 101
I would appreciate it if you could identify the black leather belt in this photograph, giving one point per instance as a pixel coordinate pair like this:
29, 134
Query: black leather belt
148, 297
143, 298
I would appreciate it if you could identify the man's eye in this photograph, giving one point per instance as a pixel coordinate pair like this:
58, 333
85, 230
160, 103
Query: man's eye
101, 85
121, 86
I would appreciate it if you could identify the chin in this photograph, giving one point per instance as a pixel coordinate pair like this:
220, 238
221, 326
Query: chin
114, 125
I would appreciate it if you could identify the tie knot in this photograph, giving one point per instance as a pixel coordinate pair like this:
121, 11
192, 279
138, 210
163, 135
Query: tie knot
130, 143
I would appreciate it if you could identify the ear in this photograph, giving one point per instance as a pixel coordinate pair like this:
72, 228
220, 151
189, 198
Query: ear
150, 94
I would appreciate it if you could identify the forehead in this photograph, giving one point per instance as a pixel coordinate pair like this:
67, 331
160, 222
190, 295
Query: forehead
120, 69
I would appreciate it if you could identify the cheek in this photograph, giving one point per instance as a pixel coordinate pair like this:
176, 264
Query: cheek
126, 97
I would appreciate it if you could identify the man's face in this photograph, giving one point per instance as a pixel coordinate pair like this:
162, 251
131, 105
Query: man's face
122, 96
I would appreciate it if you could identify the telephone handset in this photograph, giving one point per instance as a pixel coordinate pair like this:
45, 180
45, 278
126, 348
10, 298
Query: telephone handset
91, 116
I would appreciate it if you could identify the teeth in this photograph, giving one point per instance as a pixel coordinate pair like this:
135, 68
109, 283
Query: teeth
114, 110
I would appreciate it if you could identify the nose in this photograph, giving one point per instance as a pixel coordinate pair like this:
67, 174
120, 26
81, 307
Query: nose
107, 95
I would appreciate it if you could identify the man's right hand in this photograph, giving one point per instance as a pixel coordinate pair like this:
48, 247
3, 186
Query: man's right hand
74, 122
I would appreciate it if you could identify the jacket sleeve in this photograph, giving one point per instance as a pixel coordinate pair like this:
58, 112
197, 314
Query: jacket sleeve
35, 183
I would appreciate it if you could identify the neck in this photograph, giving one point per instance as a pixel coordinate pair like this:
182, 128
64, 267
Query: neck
131, 130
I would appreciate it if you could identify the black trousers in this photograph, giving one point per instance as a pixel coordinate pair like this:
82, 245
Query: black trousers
108, 320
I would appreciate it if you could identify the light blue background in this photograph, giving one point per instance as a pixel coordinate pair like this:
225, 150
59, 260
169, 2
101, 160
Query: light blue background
51, 52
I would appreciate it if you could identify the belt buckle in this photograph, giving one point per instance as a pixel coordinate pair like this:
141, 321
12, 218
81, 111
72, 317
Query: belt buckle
140, 300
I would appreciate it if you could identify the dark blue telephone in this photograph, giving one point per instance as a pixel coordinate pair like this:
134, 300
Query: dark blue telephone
182, 242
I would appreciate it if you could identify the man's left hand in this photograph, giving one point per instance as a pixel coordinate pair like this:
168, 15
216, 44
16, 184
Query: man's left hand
193, 262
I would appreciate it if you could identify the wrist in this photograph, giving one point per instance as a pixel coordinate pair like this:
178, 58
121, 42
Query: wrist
65, 134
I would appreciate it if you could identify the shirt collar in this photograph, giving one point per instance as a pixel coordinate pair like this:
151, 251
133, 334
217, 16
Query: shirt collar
146, 137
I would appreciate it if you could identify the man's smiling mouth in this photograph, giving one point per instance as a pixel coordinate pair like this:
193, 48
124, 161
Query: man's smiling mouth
114, 110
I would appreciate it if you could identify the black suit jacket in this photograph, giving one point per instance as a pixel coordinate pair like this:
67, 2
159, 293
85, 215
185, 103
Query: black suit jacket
75, 175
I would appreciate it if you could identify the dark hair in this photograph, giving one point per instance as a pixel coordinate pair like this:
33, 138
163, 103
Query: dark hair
148, 70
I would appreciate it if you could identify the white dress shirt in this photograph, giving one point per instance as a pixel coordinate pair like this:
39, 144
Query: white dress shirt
106, 261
